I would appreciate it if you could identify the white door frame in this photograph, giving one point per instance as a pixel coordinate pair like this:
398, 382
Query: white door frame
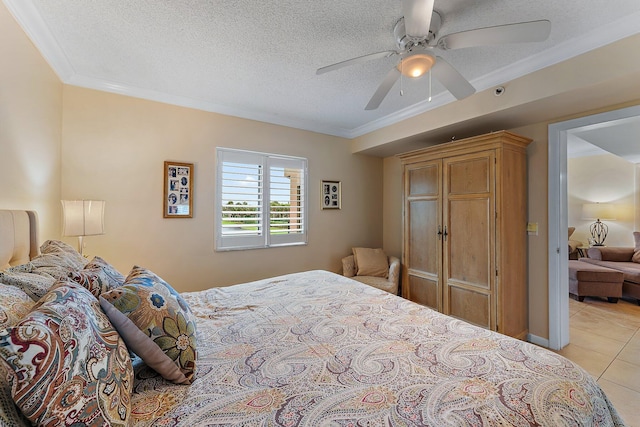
557, 212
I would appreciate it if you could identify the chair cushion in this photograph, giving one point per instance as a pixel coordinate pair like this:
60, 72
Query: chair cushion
371, 262
378, 282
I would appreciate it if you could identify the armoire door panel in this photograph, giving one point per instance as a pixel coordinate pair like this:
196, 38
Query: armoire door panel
468, 243
471, 306
424, 251
469, 175
424, 291
424, 180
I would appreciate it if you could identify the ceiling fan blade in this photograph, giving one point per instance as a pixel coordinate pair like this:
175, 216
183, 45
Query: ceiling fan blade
353, 61
522, 32
417, 17
383, 89
452, 79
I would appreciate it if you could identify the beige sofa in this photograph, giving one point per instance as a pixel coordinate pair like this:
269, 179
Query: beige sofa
619, 259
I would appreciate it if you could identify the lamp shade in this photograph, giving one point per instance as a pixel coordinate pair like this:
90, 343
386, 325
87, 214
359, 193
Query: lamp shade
82, 217
601, 211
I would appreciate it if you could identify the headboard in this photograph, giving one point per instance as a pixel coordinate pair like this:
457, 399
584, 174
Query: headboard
18, 237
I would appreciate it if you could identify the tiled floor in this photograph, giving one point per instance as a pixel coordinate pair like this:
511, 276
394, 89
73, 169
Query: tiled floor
605, 340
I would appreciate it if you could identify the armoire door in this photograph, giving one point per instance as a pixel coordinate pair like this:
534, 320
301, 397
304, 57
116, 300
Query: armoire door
422, 246
469, 244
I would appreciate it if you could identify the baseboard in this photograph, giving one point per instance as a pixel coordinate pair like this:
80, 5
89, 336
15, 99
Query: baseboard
534, 339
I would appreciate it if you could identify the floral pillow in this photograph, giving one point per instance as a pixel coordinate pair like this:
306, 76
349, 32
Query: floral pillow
66, 363
34, 285
98, 276
156, 323
14, 305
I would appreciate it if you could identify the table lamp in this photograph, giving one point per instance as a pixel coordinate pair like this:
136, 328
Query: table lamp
598, 211
82, 218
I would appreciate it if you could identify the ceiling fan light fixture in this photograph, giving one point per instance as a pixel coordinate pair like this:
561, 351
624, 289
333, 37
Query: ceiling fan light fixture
416, 65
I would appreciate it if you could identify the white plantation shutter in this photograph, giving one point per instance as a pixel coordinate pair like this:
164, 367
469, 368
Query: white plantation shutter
260, 200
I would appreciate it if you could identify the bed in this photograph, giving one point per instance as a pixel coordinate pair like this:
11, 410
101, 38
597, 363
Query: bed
319, 349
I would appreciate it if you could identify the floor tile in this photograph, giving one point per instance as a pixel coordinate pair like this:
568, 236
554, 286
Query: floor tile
593, 362
605, 324
623, 373
597, 343
631, 352
624, 400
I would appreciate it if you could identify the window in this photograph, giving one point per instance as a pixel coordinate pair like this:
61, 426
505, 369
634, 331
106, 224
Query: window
260, 200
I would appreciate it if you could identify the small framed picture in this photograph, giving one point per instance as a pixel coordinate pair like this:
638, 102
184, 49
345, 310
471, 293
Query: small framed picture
178, 190
331, 195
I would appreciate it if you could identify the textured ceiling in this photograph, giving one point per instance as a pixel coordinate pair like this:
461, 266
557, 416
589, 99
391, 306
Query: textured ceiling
257, 59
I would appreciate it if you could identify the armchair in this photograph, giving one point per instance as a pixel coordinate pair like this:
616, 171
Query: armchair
389, 284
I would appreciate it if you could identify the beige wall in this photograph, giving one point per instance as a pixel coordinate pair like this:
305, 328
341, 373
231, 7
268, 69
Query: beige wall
392, 211
30, 120
114, 148
603, 178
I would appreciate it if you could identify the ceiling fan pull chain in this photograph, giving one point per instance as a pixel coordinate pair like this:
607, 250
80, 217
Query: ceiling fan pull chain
401, 73
429, 84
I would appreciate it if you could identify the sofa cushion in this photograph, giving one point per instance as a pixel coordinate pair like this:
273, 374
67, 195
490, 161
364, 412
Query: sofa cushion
607, 253
631, 270
588, 272
636, 250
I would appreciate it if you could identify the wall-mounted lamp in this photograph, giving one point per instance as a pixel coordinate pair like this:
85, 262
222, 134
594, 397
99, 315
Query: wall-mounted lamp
82, 218
598, 211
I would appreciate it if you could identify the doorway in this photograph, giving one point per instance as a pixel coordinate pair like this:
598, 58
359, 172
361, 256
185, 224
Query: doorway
557, 212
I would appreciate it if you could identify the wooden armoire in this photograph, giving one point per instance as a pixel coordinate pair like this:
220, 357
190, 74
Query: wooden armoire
464, 225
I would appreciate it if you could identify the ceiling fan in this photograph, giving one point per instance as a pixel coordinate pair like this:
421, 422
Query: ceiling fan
415, 35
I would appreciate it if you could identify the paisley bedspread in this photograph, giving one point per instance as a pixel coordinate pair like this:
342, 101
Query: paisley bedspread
318, 349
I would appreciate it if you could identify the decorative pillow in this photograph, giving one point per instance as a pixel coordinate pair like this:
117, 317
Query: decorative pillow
371, 262
57, 259
14, 305
34, 285
571, 230
156, 323
98, 276
66, 363
10, 415
636, 252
